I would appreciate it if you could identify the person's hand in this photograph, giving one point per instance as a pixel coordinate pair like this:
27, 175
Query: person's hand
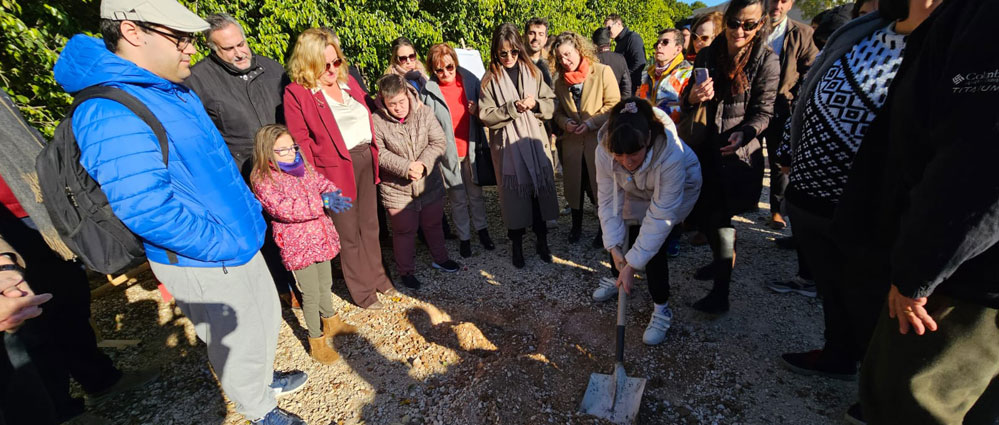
570, 126
702, 92
526, 104
416, 169
734, 141
19, 303
473, 107
910, 312
581, 128
626, 278
336, 202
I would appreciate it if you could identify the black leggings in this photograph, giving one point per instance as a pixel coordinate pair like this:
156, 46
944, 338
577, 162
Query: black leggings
656, 271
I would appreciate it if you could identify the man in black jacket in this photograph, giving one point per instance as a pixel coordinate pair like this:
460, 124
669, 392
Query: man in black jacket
793, 43
241, 91
602, 40
630, 45
928, 177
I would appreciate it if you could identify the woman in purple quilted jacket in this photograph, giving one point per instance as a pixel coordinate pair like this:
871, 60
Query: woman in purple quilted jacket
296, 198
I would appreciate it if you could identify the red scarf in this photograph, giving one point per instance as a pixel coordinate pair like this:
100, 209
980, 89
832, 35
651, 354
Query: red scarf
579, 75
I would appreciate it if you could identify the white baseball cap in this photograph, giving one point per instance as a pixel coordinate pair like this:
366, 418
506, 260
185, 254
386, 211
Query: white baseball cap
168, 13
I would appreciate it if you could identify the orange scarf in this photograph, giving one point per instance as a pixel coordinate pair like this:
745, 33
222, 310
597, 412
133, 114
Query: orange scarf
579, 75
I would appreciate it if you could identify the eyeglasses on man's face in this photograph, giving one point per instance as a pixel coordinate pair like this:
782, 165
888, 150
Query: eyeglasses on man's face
179, 40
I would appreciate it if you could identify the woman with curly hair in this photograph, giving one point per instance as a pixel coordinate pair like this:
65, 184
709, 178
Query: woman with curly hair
586, 91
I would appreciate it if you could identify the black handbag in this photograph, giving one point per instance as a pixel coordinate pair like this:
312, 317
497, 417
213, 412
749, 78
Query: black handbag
485, 173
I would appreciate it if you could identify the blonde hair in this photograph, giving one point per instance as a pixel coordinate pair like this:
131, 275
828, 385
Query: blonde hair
438, 52
263, 151
308, 61
580, 43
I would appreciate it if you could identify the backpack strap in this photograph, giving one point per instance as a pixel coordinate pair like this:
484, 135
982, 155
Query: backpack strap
138, 108
130, 102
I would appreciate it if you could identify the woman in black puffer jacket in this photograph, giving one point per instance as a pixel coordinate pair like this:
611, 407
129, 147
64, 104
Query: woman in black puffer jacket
738, 97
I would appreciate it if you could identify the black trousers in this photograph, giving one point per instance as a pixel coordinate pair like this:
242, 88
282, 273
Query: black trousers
774, 135
851, 298
60, 343
656, 271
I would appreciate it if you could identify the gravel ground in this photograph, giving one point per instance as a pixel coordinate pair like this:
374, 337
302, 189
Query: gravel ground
495, 345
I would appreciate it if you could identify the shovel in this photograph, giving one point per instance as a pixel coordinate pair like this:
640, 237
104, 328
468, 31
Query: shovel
615, 397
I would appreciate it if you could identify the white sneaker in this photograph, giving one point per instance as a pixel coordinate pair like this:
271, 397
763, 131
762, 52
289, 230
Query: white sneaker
606, 290
658, 325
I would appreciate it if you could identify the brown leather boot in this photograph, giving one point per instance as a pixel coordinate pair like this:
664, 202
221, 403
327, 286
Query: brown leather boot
333, 326
321, 351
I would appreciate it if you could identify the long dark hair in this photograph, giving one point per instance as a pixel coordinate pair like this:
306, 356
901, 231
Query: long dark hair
506, 33
629, 130
734, 68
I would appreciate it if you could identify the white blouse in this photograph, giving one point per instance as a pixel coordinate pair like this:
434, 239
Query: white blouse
351, 117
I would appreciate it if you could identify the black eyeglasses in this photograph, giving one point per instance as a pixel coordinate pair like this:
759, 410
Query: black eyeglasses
664, 42
181, 41
734, 24
509, 53
449, 67
404, 59
287, 150
335, 64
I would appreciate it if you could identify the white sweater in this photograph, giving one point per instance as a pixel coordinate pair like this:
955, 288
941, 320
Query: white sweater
660, 194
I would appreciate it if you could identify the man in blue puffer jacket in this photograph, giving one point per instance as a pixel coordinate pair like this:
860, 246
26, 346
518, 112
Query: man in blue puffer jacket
201, 227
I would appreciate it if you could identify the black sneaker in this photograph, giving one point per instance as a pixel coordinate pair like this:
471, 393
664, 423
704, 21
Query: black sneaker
598, 241
411, 281
797, 285
485, 240
812, 363
129, 381
712, 304
448, 266
465, 249
854, 416
785, 242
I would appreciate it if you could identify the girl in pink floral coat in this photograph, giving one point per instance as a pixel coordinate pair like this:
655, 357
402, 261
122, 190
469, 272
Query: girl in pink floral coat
297, 197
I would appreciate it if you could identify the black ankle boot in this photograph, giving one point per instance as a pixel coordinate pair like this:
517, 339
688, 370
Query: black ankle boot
485, 240
517, 248
716, 302
447, 229
598, 239
576, 231
465, 249
542, 248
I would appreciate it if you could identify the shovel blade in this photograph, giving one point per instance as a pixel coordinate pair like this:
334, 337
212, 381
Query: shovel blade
616, 400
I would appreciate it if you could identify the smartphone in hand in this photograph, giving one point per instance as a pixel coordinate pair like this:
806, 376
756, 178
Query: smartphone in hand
700, 75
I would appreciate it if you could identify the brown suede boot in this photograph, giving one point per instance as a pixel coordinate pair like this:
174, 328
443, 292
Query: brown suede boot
333, 326
321, 351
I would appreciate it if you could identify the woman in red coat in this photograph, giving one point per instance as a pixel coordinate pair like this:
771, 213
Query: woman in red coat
328, 118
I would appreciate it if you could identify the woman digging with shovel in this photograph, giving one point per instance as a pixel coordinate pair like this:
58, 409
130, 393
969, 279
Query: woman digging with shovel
647, 175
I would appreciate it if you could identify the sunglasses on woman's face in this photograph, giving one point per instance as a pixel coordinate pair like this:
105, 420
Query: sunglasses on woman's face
287, 150
449, 67
404, 59
509, 53
734, 24
335, 64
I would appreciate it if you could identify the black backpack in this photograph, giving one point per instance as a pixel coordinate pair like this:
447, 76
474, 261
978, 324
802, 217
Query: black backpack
78, 207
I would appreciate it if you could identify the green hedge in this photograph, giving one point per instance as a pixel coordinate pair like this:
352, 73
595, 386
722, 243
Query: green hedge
33, 32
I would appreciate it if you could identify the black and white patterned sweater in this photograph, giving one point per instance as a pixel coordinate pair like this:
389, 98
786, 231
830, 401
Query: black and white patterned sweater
836, 118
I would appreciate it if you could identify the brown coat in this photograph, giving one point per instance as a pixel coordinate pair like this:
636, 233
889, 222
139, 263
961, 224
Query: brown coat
600, 94
796, 58
419, 138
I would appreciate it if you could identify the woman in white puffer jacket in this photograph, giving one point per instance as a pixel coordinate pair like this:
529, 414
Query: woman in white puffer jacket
646, 175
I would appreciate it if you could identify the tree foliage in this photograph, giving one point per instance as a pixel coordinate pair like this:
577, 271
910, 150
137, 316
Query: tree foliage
33, 32
810, 8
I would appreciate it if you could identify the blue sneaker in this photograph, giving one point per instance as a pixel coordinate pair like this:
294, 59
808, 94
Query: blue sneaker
288, 383
277, 416
672, 248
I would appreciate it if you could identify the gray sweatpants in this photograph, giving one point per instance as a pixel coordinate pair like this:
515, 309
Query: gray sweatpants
236, 313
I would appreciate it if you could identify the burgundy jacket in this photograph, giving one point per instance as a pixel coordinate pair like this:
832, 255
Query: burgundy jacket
313, 127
